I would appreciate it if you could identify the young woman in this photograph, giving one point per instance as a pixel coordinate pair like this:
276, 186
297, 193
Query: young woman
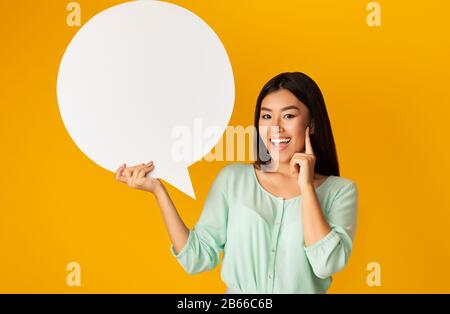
285, 223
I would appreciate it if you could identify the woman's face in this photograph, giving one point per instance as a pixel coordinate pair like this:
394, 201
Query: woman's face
282, 125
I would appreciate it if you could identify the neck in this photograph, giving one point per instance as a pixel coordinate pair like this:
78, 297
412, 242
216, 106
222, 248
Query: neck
281, 168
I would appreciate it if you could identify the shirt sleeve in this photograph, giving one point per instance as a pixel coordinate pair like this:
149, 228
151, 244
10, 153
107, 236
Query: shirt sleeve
207, 239
330, 254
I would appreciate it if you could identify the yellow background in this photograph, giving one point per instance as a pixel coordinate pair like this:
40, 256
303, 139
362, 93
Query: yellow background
386, 90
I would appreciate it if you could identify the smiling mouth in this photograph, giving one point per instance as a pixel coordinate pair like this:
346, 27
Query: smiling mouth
280, 143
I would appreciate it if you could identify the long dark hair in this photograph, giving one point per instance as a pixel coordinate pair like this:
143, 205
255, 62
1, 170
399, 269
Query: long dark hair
322, 141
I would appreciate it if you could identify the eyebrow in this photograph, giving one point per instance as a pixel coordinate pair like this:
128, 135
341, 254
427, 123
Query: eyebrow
283, 109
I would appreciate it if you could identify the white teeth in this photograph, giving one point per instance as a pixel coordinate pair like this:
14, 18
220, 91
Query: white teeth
280, 140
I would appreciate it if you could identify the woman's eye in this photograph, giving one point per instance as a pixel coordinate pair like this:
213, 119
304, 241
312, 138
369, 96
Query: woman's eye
265, 116
289, 116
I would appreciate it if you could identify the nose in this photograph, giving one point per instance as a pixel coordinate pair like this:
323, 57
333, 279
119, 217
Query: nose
275, 129
277, 125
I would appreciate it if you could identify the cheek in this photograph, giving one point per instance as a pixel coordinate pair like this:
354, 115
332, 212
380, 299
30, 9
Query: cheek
295, 129
265, 130
263, 137
262, 134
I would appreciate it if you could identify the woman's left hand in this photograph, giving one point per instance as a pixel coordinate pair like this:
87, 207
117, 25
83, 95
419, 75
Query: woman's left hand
305, 161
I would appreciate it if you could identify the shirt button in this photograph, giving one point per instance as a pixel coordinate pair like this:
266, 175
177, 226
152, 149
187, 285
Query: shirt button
270, 276
273, 250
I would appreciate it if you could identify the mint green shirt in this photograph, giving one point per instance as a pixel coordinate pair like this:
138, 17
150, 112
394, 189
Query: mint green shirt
261, 235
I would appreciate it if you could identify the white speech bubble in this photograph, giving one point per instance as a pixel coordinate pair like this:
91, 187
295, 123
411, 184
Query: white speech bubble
132, 74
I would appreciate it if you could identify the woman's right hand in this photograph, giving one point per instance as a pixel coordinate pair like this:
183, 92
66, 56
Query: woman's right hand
135, 177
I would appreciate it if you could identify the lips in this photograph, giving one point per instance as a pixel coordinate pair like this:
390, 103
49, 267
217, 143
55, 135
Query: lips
280, 143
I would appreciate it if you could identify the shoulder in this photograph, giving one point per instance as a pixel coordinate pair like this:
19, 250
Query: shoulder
342, 181
231, 177
235, 169
341, 186
233, 173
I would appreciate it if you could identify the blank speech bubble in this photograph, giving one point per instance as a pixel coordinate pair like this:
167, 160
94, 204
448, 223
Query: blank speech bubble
136, 72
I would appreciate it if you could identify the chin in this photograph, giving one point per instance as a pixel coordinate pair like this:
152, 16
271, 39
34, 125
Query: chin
283, 157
